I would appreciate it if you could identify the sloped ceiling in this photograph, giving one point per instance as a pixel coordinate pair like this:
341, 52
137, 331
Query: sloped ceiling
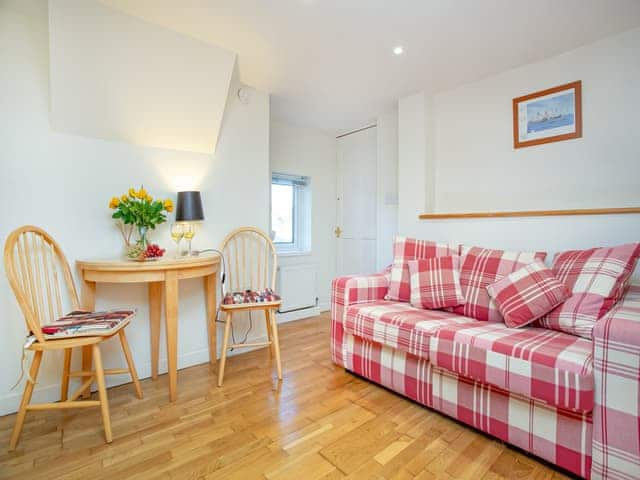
329, 63
117, 77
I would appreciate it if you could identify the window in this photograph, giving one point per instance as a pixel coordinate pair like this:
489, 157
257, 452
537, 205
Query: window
291, 213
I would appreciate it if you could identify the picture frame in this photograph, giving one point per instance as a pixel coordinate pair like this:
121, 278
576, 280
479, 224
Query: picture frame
546, 116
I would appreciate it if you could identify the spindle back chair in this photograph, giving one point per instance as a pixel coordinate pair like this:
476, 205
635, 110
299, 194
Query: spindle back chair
40, 277
252, 263
251, 260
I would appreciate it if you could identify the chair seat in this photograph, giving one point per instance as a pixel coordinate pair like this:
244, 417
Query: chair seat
250, 306
62, 343
77, 340
547, 365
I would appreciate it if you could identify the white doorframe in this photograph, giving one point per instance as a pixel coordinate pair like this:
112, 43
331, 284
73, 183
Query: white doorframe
356, 201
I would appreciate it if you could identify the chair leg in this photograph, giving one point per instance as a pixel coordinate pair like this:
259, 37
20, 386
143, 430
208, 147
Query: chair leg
225, 343
102, 393
26, 398
276, 342
130, 364
64, 387
267, 317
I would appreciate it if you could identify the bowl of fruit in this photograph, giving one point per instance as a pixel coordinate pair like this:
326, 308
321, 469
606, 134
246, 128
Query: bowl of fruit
141, 254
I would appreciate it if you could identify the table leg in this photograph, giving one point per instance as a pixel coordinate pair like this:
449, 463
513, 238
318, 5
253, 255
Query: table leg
171, 318
155, 313
210, 291
89, 304
88, 295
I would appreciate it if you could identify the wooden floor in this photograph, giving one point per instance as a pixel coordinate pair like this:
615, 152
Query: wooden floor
320, 422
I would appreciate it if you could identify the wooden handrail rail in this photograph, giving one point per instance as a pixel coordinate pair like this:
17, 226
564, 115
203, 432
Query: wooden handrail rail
531, 213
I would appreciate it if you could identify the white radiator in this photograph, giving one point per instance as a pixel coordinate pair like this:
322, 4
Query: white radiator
297, 287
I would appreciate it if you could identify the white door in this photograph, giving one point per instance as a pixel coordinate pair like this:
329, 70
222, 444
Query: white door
356, 203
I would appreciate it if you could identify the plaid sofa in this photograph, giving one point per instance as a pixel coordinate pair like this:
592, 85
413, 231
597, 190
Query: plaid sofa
571, 401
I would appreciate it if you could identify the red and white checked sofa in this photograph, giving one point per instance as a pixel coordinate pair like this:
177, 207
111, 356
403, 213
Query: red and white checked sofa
572, 401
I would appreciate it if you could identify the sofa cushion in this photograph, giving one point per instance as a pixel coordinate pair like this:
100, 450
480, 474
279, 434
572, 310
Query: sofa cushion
481, 267
527, 294
435, 282
597, 278
405, 249
542, 364
399, 325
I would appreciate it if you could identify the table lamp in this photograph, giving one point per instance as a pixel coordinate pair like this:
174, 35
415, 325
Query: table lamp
189, 211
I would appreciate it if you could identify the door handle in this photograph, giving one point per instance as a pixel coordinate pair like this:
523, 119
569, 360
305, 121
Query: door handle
338, 232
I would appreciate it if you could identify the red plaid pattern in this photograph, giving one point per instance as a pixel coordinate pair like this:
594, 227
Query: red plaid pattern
616, 415
481, 267
435, 282
535, 362
351, 290
398, 325
596, 279
527, 294
565, 438
558, 436
405, 249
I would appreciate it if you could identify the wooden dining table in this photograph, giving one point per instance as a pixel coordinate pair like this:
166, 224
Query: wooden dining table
162, 277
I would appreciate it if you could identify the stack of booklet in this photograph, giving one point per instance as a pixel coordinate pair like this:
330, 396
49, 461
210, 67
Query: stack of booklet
88, 324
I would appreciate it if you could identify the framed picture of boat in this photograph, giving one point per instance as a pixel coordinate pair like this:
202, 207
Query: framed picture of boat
550, 115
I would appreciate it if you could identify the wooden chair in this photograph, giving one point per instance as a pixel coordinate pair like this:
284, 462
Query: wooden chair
41, 280
251, 265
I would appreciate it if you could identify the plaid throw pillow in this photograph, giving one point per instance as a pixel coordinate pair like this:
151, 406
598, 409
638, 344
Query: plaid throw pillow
597, 279
435, 282
527, 294
405, 249
481, 267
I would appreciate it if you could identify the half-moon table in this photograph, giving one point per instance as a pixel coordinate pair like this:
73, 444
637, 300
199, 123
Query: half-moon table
162, 276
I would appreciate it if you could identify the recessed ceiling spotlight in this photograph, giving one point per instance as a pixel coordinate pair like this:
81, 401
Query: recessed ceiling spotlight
398, 50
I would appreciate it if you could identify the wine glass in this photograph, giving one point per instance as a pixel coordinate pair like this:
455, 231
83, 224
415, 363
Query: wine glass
189, 232
177, 232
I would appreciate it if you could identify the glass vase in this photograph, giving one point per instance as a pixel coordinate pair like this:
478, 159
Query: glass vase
142, 236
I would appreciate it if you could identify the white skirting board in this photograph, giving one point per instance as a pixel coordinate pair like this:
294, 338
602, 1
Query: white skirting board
297, 315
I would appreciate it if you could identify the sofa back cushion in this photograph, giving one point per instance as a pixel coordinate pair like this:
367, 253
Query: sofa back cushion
435, 282
405, 249
597, 279
527, 294
481, 267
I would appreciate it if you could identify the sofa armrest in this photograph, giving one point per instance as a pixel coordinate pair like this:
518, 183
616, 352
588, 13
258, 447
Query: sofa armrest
350, 290
616, 415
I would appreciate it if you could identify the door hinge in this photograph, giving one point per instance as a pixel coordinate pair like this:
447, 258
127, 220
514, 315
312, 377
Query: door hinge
338, 232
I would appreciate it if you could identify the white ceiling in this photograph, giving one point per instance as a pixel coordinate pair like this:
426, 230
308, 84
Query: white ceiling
329, 63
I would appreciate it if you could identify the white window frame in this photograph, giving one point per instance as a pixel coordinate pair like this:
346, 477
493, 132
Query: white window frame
301, 244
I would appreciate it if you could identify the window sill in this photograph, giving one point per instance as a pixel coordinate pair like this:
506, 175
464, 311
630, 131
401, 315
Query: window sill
294, 253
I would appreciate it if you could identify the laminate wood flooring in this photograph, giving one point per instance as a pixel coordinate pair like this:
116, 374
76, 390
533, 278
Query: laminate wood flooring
319, 423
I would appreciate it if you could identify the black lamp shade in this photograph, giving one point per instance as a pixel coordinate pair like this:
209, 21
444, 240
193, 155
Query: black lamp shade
189, 207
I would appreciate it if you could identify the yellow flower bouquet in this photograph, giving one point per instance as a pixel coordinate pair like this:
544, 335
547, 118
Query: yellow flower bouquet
138, 209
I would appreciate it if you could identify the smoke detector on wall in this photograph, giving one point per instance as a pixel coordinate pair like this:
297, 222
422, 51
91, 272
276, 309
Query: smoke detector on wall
244, 94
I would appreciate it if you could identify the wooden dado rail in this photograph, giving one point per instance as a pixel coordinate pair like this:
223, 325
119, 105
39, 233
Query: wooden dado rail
531, 213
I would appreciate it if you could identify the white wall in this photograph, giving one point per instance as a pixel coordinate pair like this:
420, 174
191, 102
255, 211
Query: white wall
63, 183
475, 167
309, 152
412, 159
473, 137
116, 77
387, 188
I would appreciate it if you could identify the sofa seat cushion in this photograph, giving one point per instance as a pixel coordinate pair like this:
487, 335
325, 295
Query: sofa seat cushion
399, 325
551, 366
